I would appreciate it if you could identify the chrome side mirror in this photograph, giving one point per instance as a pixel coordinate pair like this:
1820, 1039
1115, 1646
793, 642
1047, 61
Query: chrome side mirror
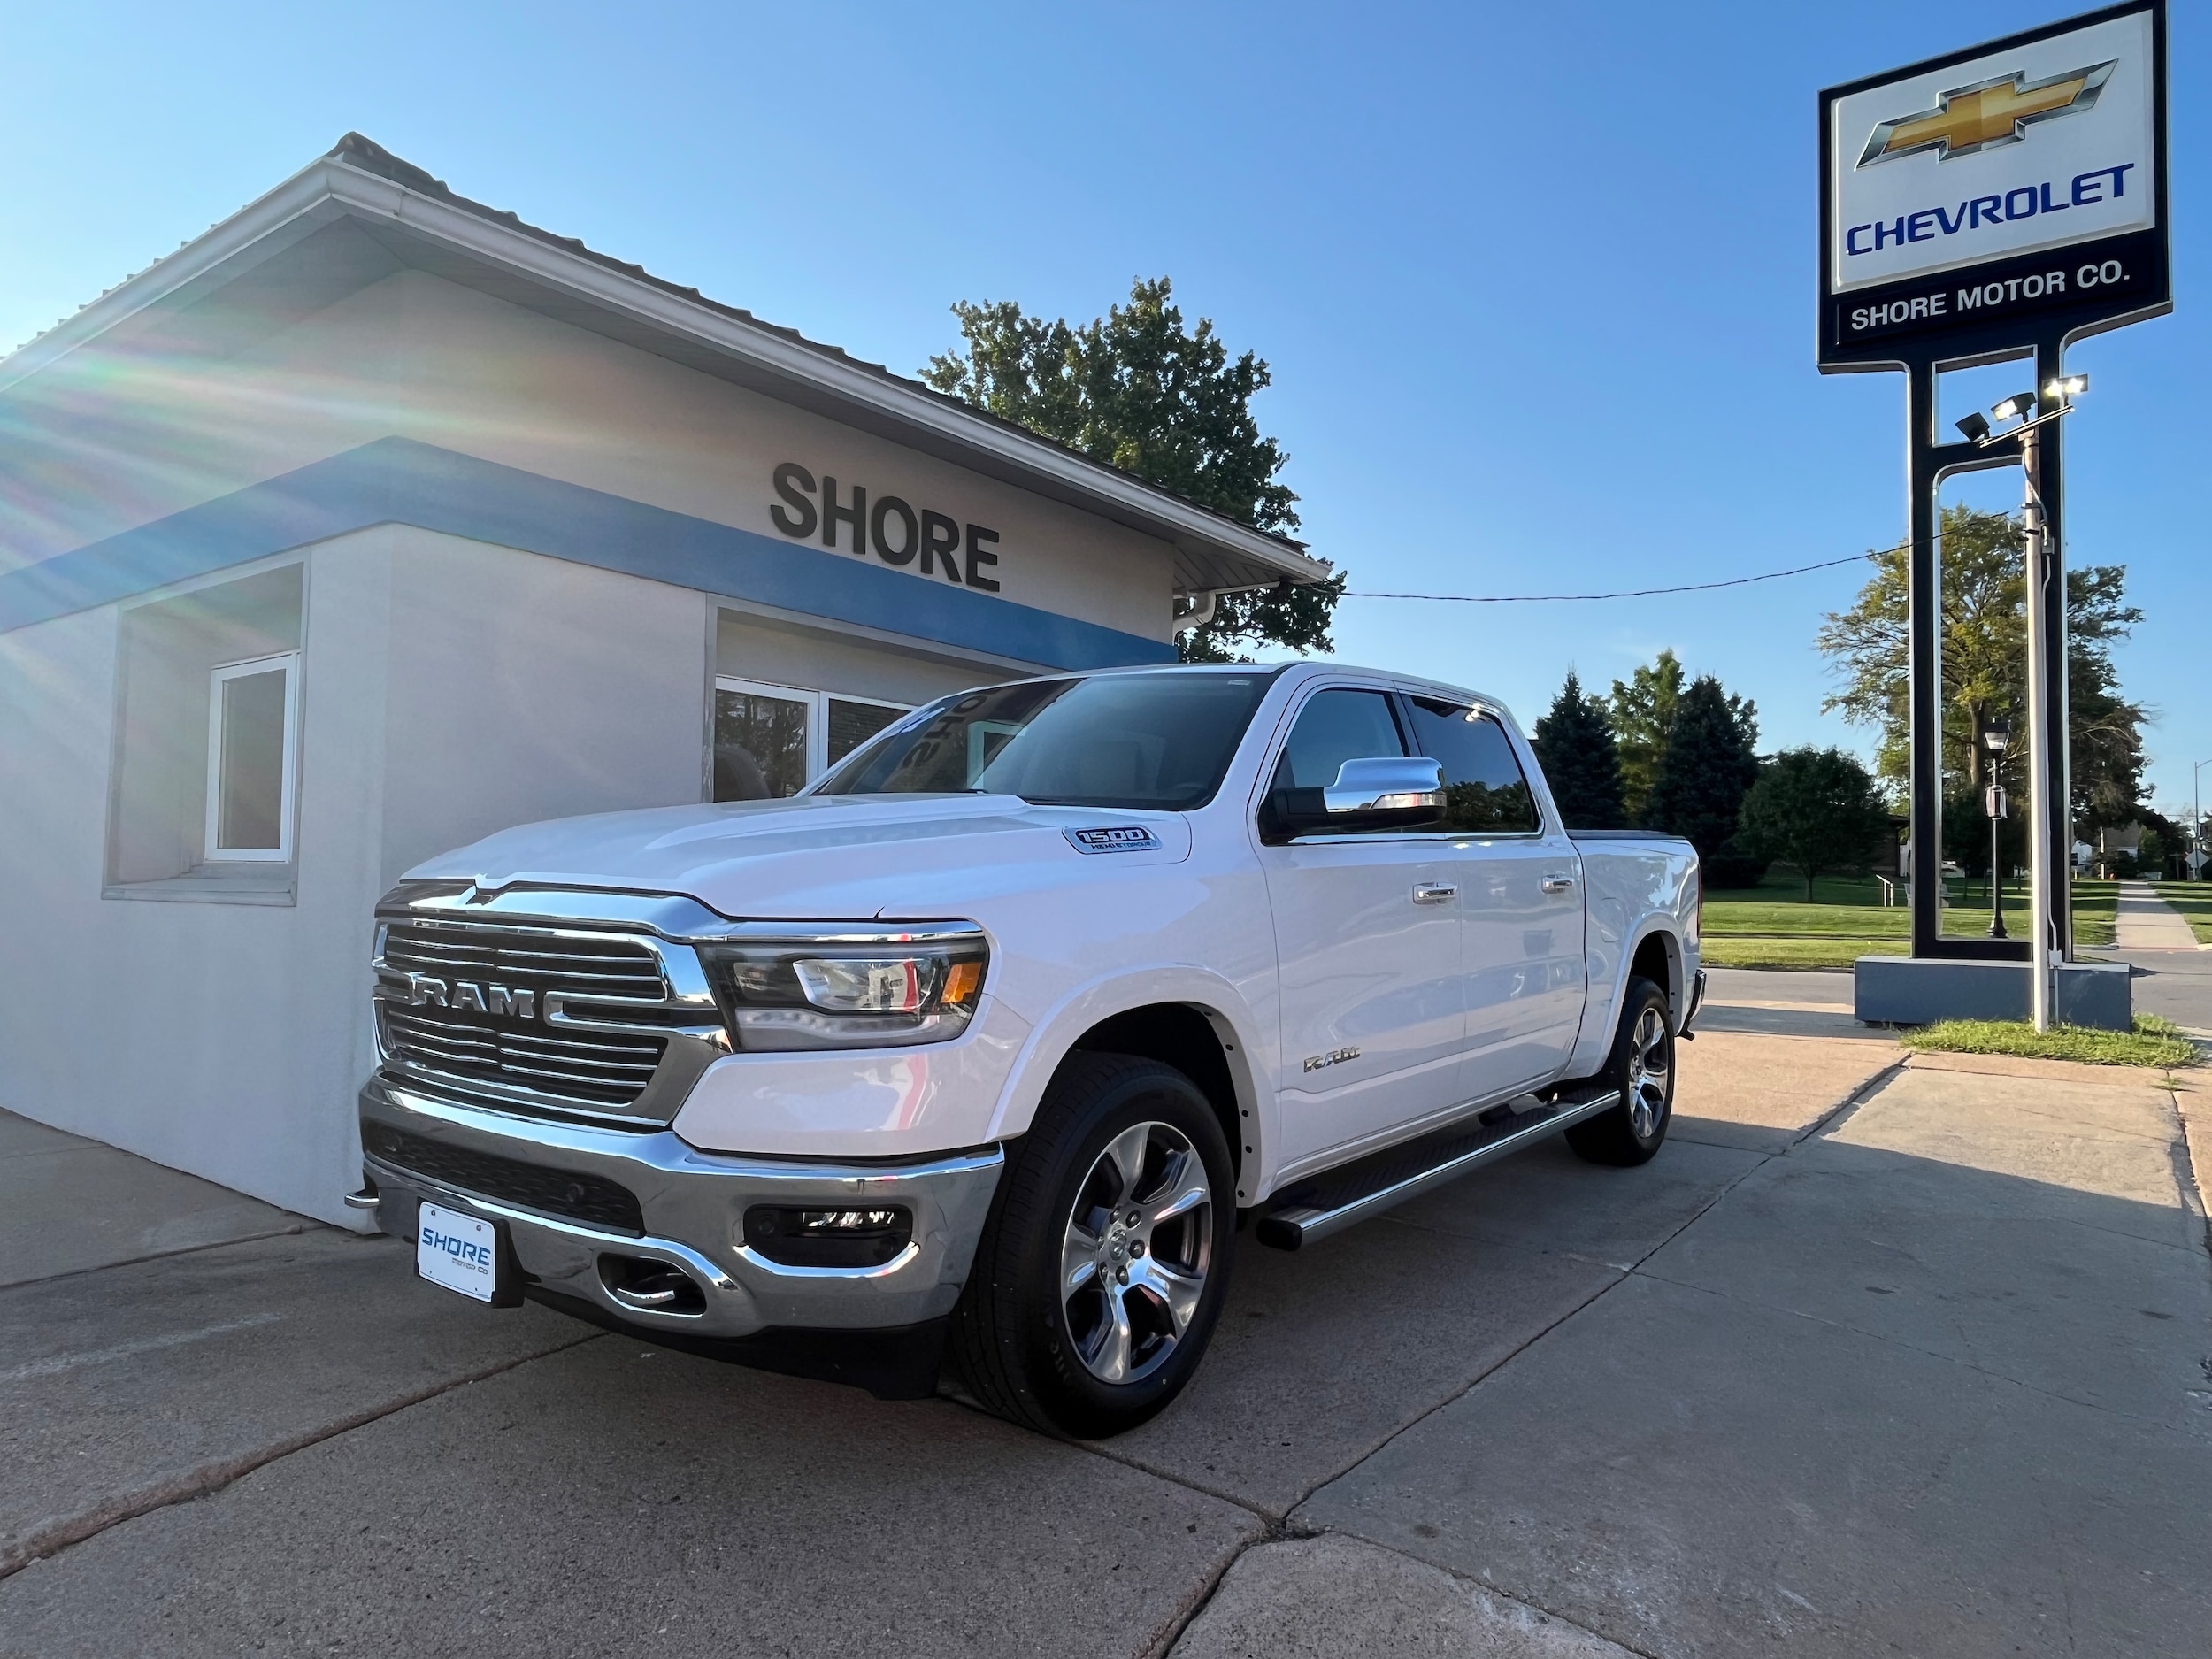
1385, 785
1383, 793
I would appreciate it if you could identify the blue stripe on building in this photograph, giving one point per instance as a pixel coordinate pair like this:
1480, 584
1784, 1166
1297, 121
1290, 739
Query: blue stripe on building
398, 480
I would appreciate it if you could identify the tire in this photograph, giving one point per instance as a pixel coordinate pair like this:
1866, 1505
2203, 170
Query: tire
1641, 1066
1061, 1361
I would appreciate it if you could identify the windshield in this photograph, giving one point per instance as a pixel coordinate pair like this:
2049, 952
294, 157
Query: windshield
1161, 740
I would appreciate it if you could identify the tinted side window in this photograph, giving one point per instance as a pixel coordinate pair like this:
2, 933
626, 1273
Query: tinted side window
1484, 790
1333, 727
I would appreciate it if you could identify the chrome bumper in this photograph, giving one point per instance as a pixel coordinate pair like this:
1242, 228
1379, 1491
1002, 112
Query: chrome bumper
693, 1204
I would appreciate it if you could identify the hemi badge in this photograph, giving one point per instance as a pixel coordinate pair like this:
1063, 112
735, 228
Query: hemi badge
1121, 837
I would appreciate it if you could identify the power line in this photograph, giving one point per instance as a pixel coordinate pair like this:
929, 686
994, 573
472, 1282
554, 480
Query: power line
1637, 593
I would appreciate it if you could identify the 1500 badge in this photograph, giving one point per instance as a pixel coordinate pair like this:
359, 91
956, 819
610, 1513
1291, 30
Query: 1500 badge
1120, 838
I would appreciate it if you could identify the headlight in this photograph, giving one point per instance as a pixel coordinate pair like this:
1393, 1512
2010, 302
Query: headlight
856, 989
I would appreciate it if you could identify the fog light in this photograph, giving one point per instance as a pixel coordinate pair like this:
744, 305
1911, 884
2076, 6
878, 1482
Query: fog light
848, 1236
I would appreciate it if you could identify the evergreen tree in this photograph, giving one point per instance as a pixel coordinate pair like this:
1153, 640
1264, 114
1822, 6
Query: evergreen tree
1643, 714
1581, 761
1707, 766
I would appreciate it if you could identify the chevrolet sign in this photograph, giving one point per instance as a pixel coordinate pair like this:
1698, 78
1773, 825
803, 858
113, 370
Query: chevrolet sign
2013, 180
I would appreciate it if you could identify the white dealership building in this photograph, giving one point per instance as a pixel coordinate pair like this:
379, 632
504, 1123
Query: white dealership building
375, 520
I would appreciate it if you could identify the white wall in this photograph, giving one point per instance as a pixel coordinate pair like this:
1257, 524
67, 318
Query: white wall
222, 1038
523, 687
448, 689
747, 648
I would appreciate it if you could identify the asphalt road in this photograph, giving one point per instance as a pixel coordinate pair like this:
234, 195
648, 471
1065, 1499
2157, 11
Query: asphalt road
1873, 1357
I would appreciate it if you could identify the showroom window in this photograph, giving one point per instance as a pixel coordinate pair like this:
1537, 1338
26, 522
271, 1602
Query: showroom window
773, 741
253, 712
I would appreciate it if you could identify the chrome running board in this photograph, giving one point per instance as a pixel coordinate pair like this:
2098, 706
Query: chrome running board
1336, 1199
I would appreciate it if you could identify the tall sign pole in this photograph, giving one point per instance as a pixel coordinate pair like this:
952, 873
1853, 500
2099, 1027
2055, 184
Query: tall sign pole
2042, 569
1994, 204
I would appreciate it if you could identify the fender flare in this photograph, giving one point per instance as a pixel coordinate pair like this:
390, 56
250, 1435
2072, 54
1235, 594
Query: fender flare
1052, 1037
1594, 1043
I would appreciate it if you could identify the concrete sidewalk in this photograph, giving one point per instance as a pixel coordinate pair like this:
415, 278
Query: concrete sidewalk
2146, 922
1875, 1355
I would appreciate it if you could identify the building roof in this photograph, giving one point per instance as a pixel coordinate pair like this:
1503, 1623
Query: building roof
359, 212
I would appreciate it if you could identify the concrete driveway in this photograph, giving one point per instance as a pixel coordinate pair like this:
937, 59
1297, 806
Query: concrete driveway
1873, 1357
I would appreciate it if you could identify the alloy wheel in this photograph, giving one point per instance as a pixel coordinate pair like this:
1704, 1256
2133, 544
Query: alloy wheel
1136, 1251
1647, 1080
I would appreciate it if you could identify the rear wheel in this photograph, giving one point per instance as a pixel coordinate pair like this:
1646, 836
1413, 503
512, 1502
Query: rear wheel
1102, 1270
1641, 1066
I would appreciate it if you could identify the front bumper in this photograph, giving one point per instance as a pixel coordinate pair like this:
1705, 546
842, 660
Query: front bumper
693, 1204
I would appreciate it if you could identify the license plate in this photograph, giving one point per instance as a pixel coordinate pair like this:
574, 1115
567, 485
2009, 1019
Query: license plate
460, 1252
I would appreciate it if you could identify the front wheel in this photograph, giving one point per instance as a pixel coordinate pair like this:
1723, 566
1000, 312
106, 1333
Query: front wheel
1641, 1067
1102, 1270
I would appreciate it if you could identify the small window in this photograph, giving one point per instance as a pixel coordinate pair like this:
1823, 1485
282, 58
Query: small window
1485, 791
769, 741
253, 710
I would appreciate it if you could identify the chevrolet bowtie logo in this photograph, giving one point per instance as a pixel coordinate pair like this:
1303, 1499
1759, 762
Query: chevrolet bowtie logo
1986, 114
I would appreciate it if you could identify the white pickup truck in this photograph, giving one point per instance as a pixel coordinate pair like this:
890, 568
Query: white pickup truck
984, 1049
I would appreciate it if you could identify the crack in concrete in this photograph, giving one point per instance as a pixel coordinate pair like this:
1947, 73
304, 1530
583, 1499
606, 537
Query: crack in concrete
56, 1533
162, 1256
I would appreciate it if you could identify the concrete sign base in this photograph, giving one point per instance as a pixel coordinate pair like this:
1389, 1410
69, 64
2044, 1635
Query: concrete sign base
1920, 991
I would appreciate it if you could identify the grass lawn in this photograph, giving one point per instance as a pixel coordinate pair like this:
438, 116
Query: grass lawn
2154, 1042
2095, 904
1763, 952
1772, 926
2194, 899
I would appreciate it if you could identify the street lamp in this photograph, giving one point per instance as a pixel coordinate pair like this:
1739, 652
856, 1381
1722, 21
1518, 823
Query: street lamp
1995, 735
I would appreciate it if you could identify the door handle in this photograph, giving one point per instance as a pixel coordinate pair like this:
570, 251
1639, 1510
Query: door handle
1558, 882
1435, 892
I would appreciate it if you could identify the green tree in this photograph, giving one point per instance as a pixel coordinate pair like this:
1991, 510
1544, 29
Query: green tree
1643, 713
1707, 766
1581, 761
1983, 646
2151, 851
1816, 809
1139, 391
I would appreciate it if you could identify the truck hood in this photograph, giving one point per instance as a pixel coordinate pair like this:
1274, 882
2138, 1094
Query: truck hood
830, 856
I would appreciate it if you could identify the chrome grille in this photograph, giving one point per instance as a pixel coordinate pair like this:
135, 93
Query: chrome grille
503, 1045
541, 960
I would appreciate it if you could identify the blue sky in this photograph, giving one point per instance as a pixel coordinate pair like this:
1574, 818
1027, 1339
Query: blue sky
1536, 281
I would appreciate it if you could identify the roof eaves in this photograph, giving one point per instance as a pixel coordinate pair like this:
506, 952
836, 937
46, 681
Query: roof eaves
332, 184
